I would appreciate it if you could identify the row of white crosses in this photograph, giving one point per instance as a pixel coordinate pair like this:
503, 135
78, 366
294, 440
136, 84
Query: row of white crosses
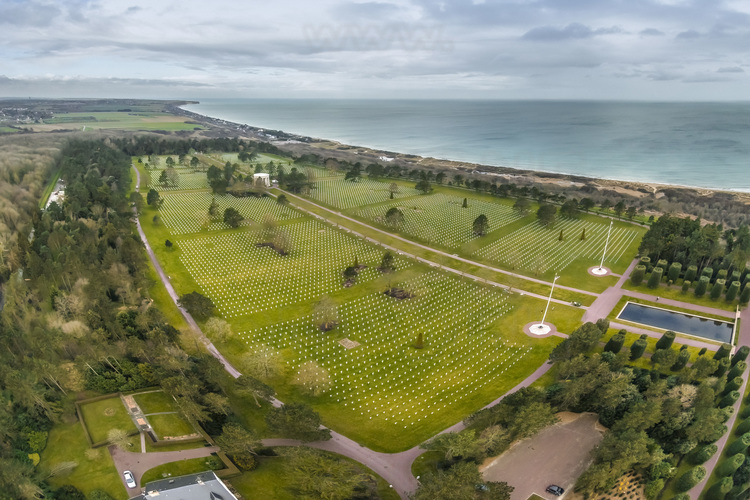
243, 279
188, 179
441, 219
347, 194
535, 247
186, 213
385, 377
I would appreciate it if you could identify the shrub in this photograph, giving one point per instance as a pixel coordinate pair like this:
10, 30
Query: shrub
717, 289
682, 359
666, 340
701, 454
719, 490
701, 287
637, 349
745, 295
615, 342
722, 367
690, 478
653, 488
655, 278
732, 292
685, 286
744, 426
708, 272
674, 271
739, 445
740, 355
738, 368
723, 351
731, 464
691, 272
733, 385
245, 461
729, 399
638, 274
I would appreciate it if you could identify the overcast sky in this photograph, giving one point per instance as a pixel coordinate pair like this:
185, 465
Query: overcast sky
509, 49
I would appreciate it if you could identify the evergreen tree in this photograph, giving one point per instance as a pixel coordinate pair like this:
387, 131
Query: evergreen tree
636, 277
701, 287
655, 278
666, 340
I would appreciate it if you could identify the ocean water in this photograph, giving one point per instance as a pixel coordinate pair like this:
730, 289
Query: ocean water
690, 144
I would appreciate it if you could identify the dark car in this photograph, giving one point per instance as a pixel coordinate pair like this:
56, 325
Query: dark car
555, 490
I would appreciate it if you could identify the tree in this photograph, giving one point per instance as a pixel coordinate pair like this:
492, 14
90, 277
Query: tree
664, 357
173, 178
216, 180
264, 363
732, 291
282, 199
419, 343
619, 208
690, 478
313, 379
232, 217
236, 440
394, 217
198, 305
465, 204
480, 225
522, 206
587, 204
631, 211
248, 385
638, 348
168, 244
325, 313
163, 179
297, 421
717, 289
701, 287
580, 341
119, 438
213, 208
218, 329
387, 263
354, 173
460, 482
569, 208
194, 162
313, 474
615, 342
454, 445
655, 279
153, 199
666, 340
423, 186
393, 189
546, 214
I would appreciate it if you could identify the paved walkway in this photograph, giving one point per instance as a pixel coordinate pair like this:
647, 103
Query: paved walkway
139, 463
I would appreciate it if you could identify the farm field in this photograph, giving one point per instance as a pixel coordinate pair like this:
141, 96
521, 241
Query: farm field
115, 120
440, 219
384, 384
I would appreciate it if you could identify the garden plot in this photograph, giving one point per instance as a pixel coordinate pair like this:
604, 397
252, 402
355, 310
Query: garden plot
187, 178
347, 194
385, 378
537, 248
185, 213
440, 218
242, 279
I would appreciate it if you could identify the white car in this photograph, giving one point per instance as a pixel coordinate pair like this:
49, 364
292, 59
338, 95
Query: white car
129, 479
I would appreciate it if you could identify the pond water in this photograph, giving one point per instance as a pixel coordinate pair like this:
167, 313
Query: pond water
678, 322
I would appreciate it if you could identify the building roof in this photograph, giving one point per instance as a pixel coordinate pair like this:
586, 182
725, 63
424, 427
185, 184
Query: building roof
201, 486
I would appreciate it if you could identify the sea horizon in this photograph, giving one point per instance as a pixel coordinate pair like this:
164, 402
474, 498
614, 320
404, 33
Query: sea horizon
670, 143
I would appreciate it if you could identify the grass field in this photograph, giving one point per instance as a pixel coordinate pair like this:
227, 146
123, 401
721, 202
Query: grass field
95, 469
187, 212
242, 278
115, 120
440, 219
101, 416
538, 249
385, 384
181, 468
154, 402
343, 194
170, 425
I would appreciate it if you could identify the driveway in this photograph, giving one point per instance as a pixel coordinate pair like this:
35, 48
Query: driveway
556, 455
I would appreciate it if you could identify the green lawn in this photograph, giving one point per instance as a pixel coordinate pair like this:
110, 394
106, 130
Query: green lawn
154, 402
181, 468
269, 481
170, 425
101, 416
95, 469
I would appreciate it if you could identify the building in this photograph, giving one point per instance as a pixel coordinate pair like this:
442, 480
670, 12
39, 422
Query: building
263, 179
201, 486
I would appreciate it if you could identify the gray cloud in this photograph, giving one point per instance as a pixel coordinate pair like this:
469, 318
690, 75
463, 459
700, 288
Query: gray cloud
651, 32
20, 14
688, 35
730, 69
571, 31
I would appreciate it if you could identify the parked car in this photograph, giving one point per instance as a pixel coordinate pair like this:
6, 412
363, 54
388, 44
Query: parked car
129, 479
555, 490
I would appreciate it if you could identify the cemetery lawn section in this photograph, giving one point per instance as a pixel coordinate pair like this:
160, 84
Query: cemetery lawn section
154, 402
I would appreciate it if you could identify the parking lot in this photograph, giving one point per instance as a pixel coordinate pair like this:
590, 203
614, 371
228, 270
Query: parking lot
557, 455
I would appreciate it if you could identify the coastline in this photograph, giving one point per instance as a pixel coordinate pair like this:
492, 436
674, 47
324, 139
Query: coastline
301, 144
